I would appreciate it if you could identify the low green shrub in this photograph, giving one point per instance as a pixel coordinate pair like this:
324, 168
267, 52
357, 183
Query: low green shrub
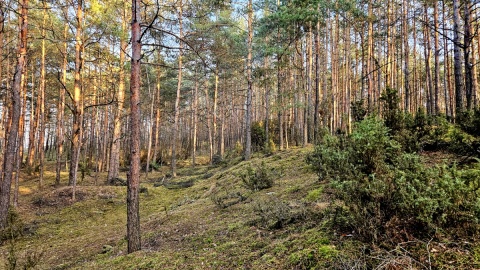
224, 199
272, 213
258, 178
378, 183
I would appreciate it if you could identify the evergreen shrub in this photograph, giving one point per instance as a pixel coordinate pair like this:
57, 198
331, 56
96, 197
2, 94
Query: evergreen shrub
385, 190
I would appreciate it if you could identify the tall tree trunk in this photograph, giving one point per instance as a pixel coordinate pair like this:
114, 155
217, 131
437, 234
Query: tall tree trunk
248, 113
467, 40
114, 160
370, 68
436, 80
267, 106
21, 135
280, 102
3, 113
194, 120
41, 116
34, 122
11, 147
133, 209
457, 58
207, 119
447, 77
428, 72
179, 88
317, 83
60, 131
309, 63
157, 113
214, 114
77, 129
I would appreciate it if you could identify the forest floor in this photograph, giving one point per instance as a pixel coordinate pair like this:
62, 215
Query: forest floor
205, 218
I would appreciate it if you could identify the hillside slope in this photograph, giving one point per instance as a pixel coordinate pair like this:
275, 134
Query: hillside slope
214, 217
204, 219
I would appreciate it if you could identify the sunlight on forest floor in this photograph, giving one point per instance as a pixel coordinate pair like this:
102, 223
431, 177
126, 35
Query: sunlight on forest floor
180, 225
205, 218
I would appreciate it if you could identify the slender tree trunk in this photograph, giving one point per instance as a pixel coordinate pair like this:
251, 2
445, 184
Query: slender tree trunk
133, 209
3, 113
467, 40
60, 131
309, 63
370, 68
21, 135
11, 147
207, 119
447, 77
223, 120
280, 103
194, 117
114, 160
77, 129
428, 72
151, 134
267, 106
157, 113
457, 58
177, 99
436, 81
317, 84
214, 114
248, 113
414, 88
34, 122
41, 116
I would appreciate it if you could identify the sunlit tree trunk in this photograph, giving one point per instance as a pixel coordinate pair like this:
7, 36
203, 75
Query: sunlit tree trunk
436, 76
317, 83
427, 53
207, 120
214, 114
457, 59
60, 131
11, 146
309, 73
157, 114
370, 68
21, 135
467, 44
194, 120
34, 122
179, 87
41, 116
267, 104
114, 159
133, 205
150, 134
77, 128
3, 113
248, 113
448, 91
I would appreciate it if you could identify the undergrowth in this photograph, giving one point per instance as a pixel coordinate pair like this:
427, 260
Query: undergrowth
383, 192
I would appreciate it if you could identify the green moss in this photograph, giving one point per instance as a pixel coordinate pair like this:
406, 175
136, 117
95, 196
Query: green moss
314, 195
